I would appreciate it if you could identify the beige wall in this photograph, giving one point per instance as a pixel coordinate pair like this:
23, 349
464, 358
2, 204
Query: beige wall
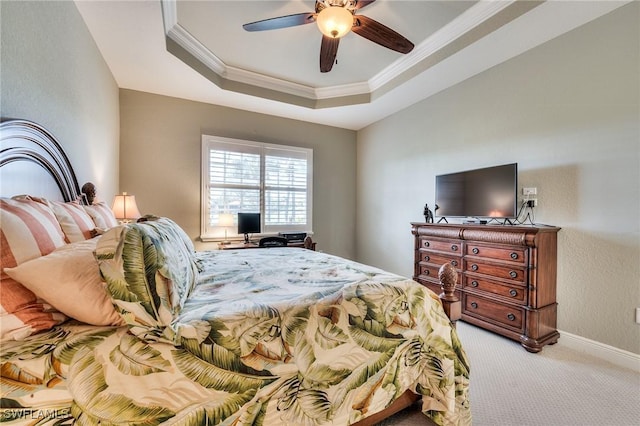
568, 113
53, 73
161, 150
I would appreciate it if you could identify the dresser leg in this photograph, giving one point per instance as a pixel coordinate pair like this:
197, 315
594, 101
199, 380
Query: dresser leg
536, 345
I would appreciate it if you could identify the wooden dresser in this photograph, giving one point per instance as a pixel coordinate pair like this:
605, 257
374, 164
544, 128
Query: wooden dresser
507, 276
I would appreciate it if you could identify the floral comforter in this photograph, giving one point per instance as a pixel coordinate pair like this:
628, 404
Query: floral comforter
267, 337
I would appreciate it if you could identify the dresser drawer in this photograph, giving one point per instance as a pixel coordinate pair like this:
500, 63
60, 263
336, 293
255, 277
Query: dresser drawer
516, 254
504, 315
515, 293
447, 246
516, 274
439, 259
430, 272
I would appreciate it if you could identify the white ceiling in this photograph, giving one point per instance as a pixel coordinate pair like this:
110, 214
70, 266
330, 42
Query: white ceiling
277, 72
292, 54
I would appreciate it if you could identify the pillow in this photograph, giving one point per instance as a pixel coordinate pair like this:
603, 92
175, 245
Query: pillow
28, 229
102, 215
75, 222
70, 270
150, 271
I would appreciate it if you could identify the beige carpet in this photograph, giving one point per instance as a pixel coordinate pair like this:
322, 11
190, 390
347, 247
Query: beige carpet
558, 386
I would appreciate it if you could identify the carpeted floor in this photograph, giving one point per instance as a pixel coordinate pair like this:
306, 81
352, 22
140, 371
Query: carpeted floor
558, 386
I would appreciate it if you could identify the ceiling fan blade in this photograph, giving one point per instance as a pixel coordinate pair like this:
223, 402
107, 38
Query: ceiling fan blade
281, 22
328, 52
378, 33
362, 3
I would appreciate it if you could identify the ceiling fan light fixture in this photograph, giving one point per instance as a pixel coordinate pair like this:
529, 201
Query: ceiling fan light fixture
334, 21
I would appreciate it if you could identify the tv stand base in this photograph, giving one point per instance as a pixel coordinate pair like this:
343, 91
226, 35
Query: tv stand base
475, 221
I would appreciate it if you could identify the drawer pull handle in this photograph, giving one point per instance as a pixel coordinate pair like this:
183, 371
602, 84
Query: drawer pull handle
474, 267
425, 243
474, 283
426, 272
454, 262
511, 317
514, 255
474, 305
454, 247
426, 258
475, 250
513, 292
513, 274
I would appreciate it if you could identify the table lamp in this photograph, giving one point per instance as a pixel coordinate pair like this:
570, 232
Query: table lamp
125, 208
226, 220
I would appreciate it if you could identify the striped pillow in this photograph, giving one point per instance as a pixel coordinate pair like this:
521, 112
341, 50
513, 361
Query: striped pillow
76, 224
28, 229
102, 215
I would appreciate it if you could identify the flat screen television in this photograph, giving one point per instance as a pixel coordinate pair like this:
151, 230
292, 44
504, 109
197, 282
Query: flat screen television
490, 192
248, 223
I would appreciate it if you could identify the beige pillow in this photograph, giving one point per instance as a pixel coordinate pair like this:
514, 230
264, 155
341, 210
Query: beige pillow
102, 215
75, 222
69, 279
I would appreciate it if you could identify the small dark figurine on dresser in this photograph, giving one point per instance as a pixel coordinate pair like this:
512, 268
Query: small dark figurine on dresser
428, 214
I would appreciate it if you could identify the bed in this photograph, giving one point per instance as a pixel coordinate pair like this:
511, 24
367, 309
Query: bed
134, 326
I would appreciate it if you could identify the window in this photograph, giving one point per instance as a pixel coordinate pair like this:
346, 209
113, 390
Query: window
245, 176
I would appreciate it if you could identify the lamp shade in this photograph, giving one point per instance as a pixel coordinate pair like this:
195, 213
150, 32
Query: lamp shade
225, 219
334, 21
125, 207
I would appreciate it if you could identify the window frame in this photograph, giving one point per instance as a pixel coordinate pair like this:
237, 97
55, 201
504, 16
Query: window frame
216, 233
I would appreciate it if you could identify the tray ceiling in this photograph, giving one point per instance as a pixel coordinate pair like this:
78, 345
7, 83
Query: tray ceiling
198, 50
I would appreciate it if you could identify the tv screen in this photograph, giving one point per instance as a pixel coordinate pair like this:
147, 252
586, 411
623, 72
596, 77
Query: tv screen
248, 223
490, 192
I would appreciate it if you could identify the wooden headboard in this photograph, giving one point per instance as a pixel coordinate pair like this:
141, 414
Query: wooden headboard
26, 149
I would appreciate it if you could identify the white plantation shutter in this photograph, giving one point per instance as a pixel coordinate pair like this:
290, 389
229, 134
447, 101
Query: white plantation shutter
245, 176
285, 187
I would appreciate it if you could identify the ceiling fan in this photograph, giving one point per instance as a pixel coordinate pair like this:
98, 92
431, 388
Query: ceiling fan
336, 18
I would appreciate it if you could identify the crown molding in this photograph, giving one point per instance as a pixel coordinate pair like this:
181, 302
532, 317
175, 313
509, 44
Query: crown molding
468, 20
229, 77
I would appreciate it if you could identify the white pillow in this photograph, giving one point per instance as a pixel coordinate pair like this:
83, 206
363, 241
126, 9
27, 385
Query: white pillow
75, 222
69, 279
102, 215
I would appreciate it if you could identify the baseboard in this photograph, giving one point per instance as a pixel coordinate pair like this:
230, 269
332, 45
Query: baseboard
608, 353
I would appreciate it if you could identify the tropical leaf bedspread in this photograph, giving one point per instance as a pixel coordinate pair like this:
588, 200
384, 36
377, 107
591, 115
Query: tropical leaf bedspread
267, 337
